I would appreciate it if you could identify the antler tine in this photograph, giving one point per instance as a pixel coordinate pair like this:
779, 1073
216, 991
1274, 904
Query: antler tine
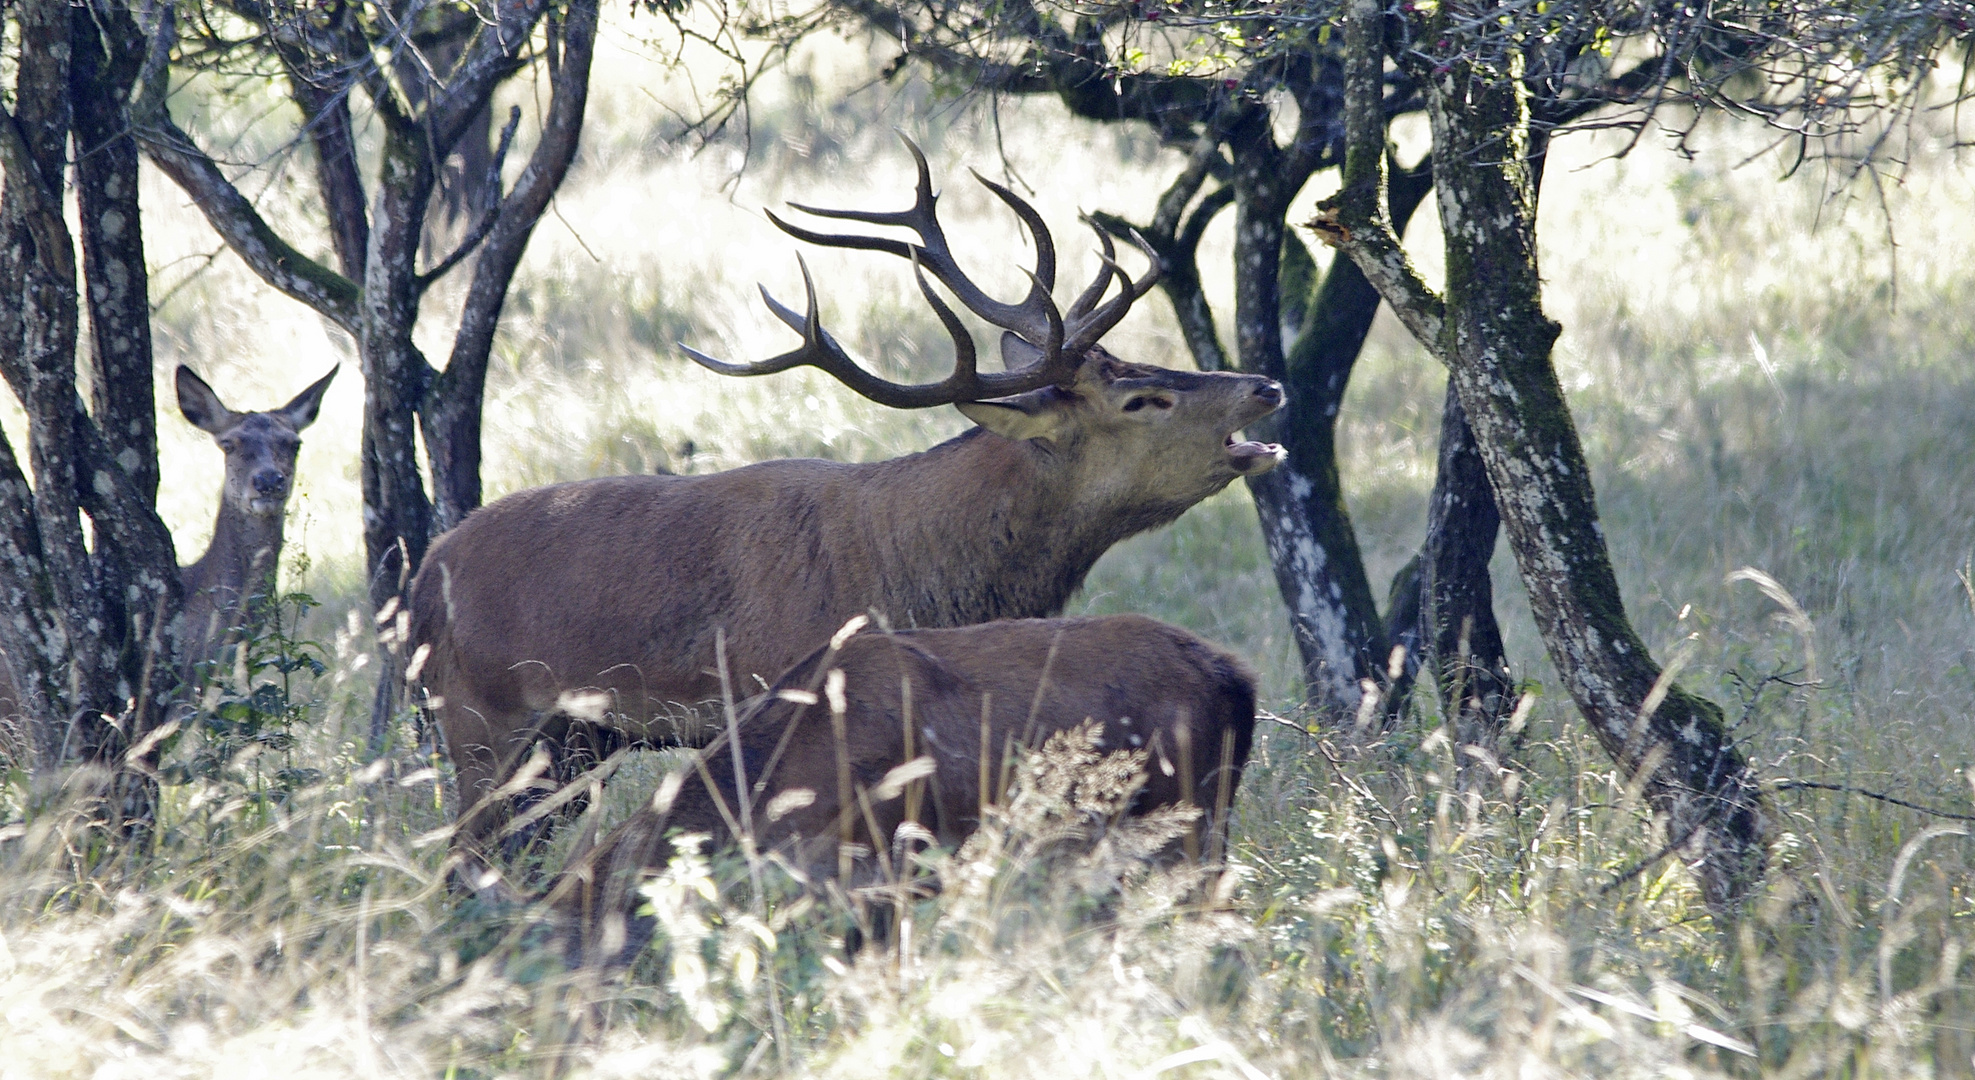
820, 350
1090, 296
1085, 332
839, 240
921, 217
966, 369
809, 327
1045, 270
1024, 318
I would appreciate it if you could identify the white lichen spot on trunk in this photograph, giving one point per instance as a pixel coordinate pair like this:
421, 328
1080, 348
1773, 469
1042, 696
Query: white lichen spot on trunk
1320, 620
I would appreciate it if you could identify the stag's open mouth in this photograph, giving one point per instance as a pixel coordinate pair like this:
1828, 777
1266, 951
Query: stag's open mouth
1251, 458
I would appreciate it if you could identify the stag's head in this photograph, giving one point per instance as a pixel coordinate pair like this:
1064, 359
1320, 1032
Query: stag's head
260, 447
1152, 435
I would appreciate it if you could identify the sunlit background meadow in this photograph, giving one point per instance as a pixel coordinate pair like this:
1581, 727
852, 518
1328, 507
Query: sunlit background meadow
1769, 373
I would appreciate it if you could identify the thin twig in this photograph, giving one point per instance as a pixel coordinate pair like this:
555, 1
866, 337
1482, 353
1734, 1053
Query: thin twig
1813, 785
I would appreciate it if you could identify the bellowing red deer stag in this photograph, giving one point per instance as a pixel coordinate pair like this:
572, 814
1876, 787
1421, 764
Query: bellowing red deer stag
607, 595
822, 753
260, 449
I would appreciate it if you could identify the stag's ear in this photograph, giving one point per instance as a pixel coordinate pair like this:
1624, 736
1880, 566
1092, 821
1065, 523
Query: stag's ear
198, 403
300, 413
1038, 414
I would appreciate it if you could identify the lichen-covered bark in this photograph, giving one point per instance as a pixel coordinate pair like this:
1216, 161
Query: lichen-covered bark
135, 560
1501, 348
1496, 340
87, 652
1305, 522
397, 513
48, 325
30, 635
108, 50
1311, 545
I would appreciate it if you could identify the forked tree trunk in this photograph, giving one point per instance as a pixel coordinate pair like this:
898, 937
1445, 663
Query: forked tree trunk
1491, 331
88, 642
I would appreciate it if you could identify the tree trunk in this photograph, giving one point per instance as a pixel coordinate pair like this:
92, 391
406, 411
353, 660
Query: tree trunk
397, 522
1457, 630
1500, 345
108, 49
1491, 331
1312, 545
88, 650
49, 318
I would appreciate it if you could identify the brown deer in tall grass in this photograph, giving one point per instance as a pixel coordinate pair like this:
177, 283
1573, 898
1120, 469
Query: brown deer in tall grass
602, 598
240, 562
882, 739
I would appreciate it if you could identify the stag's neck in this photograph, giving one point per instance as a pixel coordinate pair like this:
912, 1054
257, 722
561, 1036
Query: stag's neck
238, 564
981, 527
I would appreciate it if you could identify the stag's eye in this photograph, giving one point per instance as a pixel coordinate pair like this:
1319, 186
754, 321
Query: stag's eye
1154, 400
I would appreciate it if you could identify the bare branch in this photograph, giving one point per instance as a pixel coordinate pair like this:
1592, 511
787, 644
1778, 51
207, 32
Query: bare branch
490, 216
249, 235
1358, 219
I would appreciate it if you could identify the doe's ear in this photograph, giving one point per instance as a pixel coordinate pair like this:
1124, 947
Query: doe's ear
300, 413
199, 405
1038, 414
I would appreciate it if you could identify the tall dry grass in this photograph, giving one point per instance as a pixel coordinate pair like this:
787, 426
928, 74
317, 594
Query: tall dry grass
1752, 394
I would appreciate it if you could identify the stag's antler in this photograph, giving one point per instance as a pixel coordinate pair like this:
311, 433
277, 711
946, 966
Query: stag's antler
1062, 338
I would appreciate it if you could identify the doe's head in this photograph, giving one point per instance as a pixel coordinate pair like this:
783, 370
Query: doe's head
260, 447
